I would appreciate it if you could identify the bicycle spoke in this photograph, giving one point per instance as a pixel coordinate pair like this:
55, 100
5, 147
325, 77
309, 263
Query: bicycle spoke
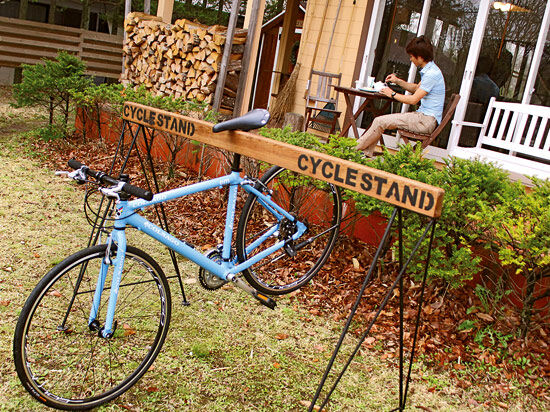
76, 364
318, 206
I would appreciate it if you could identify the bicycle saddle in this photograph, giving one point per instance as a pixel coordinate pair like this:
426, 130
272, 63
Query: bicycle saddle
249, 121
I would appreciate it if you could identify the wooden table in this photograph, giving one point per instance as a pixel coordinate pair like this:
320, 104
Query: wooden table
350, 118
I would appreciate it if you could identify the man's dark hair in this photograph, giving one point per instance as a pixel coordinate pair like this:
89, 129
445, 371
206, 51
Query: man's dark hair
421, 47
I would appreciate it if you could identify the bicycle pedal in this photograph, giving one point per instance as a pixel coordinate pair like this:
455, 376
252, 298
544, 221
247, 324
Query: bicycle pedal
265, 300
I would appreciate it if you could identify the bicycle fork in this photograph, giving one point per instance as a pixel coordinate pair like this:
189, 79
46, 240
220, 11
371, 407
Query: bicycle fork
118, 236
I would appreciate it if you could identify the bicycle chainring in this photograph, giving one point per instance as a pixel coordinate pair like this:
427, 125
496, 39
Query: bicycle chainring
207, 279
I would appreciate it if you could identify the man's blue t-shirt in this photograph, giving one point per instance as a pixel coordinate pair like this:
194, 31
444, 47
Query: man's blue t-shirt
432, 81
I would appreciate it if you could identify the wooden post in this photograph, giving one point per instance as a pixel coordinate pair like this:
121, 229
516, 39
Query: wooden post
147, 6
250, 55
226, 54
127, 10
286, 41
165, 9
247, 14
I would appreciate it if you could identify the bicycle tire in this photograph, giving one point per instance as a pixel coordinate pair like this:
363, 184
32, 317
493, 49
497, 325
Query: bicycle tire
66, 365
312, 201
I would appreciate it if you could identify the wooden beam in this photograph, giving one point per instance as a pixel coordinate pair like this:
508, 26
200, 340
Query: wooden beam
247, 14
287, 40
165, 9
246, 78
220, 83
406, 193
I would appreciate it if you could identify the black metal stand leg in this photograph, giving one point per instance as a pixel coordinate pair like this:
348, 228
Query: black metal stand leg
99, 222
354, 309
400, 235
398, 280
161, 215
419, 312
159, 209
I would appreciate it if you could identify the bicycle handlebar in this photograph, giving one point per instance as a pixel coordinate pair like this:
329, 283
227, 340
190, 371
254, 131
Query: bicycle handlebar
108, 180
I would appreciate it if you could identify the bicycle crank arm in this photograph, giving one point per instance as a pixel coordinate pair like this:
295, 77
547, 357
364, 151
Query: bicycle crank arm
264, 300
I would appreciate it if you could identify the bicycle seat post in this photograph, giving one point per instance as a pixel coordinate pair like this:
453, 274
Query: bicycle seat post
236, 164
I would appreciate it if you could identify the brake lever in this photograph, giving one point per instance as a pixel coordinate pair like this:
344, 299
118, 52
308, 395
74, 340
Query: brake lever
113, 192
77, 175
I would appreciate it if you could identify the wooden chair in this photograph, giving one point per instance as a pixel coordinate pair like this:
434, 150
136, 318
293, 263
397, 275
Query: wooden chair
427, 139
321, 108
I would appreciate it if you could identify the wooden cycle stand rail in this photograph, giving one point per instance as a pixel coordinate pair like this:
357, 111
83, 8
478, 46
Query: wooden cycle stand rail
401, 192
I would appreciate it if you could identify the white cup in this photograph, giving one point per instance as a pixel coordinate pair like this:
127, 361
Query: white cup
370, 82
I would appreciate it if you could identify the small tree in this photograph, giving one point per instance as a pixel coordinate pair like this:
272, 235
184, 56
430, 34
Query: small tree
51, 84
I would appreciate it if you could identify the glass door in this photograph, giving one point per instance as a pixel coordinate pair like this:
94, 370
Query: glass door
449, 25
511, 63
468, 35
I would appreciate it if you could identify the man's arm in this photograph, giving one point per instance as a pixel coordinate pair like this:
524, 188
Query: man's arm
410, 87
405, 98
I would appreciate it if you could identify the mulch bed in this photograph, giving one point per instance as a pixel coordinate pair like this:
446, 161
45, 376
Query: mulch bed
333, 292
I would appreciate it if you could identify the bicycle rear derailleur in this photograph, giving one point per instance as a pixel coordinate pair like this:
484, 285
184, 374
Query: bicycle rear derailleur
207, 279
287, 229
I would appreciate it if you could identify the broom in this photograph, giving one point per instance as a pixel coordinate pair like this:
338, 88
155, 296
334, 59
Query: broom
285, 99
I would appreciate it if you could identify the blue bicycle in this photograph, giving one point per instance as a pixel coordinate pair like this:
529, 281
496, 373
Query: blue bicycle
96, 322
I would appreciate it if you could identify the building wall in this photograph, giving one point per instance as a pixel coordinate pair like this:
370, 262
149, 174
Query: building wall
344, 48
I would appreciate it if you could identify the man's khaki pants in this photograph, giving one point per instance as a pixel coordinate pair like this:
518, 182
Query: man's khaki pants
412, 121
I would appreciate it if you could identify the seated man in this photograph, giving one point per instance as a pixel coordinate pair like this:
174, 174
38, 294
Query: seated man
483, 87
430, 92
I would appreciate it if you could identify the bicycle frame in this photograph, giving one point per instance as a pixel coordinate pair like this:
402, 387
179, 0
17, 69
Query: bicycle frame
126, 215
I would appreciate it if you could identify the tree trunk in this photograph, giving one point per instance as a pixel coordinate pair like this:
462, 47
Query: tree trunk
98, 121
85, 19
23, 9
51, 13
66, 111
51, 110
528, 303
220, 9
294, 120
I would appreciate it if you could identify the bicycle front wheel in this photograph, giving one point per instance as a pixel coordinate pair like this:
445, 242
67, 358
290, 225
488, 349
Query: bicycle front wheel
65, 364
311, 201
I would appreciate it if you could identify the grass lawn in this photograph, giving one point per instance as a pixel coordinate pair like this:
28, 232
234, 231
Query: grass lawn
225, 351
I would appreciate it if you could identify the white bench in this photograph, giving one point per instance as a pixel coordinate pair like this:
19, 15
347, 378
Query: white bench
521, 130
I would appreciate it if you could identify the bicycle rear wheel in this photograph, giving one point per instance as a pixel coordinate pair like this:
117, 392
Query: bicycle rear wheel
313, 202
66, 365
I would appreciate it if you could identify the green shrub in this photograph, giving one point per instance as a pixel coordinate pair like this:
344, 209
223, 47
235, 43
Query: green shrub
50, 132
296, 138
470, 187
518, 229
114, 95
51, 84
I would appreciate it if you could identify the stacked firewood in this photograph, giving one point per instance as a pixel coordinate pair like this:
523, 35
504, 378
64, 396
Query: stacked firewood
181, 59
